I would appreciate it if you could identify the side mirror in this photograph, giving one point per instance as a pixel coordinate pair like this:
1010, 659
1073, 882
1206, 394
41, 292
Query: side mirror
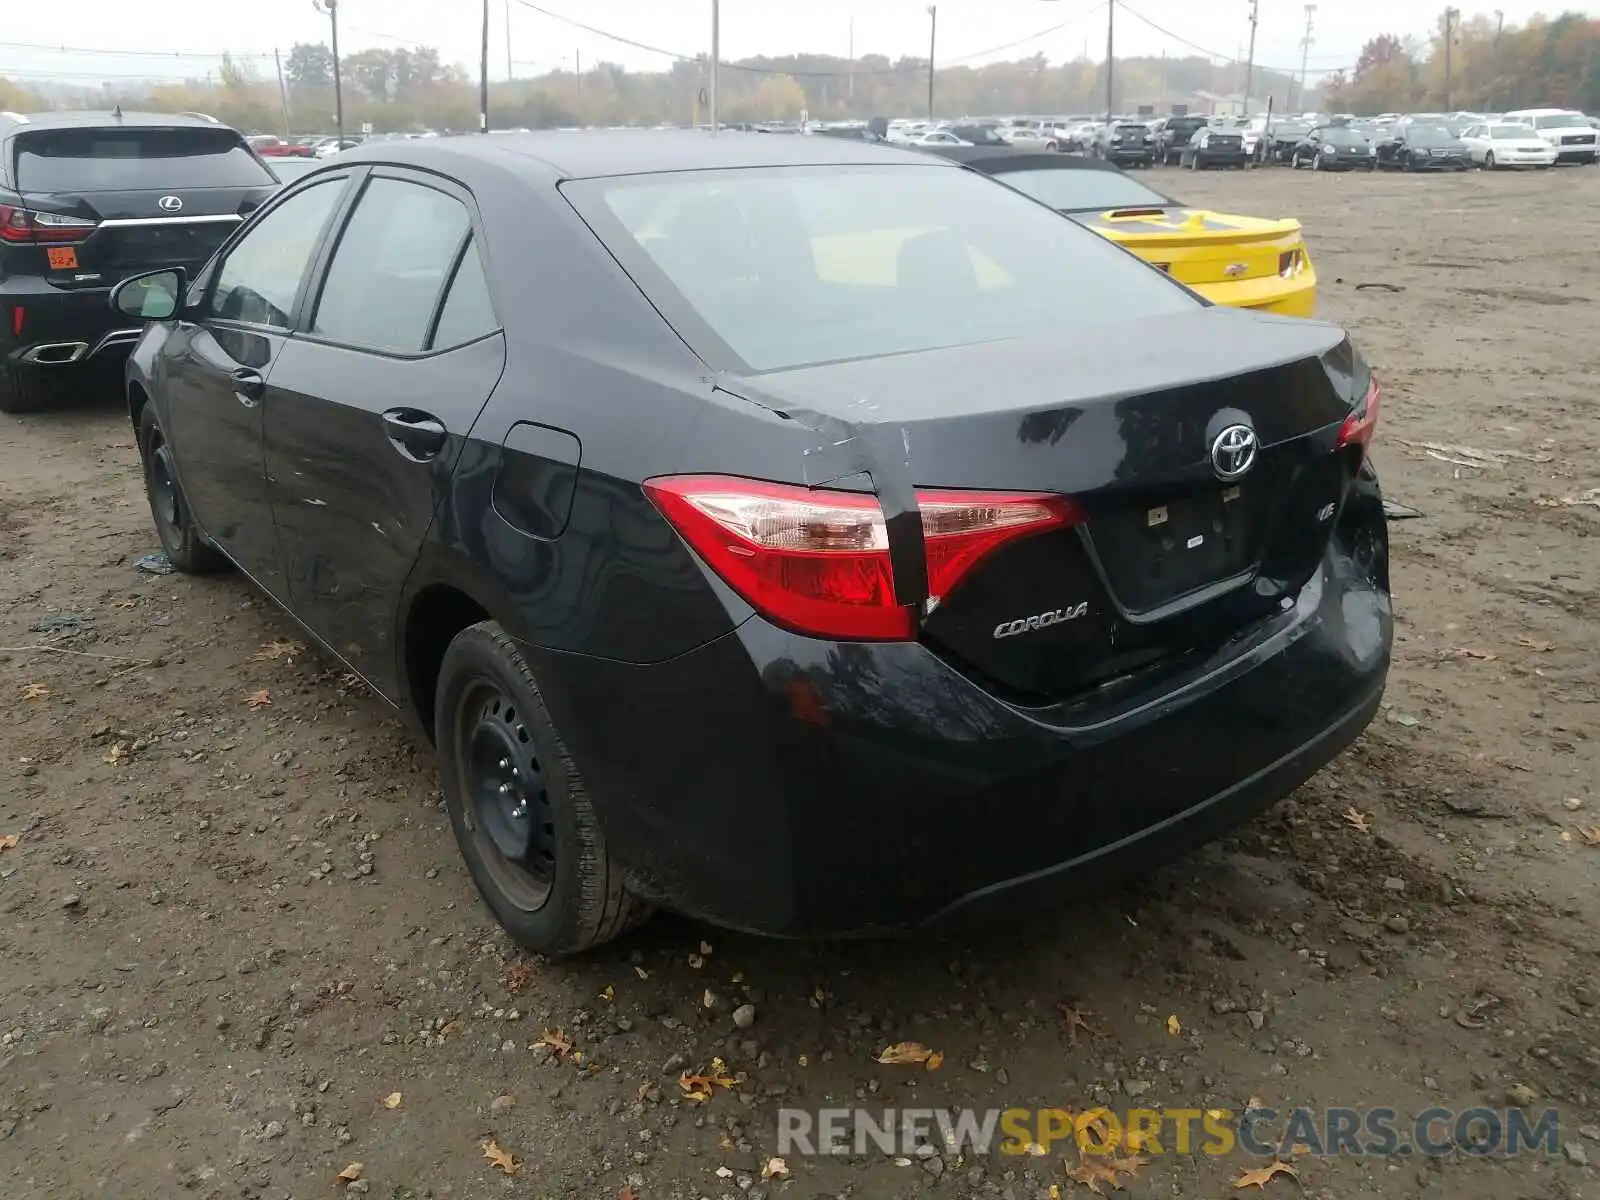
152, 296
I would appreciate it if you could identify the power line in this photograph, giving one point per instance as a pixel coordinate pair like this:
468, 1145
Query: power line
192, 54
1227, 58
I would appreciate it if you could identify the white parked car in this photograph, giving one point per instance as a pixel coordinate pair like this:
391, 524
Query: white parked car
1507, 144
1574, 139
938, 137
1033, 137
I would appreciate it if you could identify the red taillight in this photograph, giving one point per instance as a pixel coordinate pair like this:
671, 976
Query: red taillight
19, 225
1360, 425
817, 561
19, 316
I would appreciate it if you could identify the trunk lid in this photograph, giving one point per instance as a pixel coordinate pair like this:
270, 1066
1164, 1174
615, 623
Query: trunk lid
1170, 559
1196, 246
158, 197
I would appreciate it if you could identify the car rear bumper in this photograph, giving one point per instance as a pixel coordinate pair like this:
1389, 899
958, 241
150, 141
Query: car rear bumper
1227, 158
1295, 297
53, 319
774, 783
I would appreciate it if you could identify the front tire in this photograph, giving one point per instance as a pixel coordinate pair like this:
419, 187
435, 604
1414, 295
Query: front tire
186, 549
1488, 161
521, 813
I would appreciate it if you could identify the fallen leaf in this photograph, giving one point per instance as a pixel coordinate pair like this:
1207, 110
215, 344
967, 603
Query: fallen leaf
641, 973
696, 962
351, 680
724, 1172
349, 1175
517, 977
35, 691
1055, 1191
698, 1086
1357, 820
935, 1061
1261, 1176
258, 699
1091, 1172
499, 1159
724, 1142
126, 604
1075, 1019
557, 1040
392, 1100
9, 841
776, 1168
708, 1000
905, 1052
1173, 1026
609, 995
1035, 1149
279, 649
705, 948
1590, 834
643, 1090
1481, 655
1538, 644
117, 753
627, 1193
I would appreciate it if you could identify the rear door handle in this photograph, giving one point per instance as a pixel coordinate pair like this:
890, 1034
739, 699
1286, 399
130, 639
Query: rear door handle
248, 386
418, 435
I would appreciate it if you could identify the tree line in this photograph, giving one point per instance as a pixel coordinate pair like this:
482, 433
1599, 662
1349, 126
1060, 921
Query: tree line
1489, 67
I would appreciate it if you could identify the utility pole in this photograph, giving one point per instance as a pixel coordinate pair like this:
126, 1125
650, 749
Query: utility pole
852, 62
283, 92
577, 76
1305, 51
483, 75
511, 70
716, 58
1163, 92
331, 8
933, 34
1250, 62
1450, 17
1499, 26
1111, 54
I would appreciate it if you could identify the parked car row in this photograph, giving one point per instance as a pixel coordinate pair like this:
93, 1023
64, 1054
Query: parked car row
755, 652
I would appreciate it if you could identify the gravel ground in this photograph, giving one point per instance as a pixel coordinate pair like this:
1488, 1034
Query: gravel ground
238, 952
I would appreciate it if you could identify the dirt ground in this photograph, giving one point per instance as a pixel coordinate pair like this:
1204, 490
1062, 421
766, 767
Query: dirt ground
230, 931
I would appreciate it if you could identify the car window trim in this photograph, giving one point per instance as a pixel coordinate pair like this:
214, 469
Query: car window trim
212, 272
330, 249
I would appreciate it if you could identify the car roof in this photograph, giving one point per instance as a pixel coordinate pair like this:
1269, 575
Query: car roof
599, 153
996, 159
10, 123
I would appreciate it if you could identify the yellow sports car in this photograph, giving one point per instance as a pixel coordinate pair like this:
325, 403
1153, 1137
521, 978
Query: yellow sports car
1246, 262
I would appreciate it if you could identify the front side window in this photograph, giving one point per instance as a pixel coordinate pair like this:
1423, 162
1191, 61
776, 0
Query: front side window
260, 278
795, 266
384, 282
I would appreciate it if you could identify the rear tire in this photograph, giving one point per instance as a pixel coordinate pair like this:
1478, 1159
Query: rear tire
556, 891
20, 394
186, 549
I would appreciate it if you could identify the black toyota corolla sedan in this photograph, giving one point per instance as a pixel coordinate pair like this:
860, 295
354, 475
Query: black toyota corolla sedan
808, 536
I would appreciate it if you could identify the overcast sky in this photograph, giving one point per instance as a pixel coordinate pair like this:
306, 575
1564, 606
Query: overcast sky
173, 38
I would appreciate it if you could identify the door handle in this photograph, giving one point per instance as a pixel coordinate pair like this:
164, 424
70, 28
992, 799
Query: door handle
248, 385
418, 435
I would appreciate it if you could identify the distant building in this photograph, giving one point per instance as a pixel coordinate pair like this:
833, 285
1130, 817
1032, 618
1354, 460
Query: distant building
1200, 104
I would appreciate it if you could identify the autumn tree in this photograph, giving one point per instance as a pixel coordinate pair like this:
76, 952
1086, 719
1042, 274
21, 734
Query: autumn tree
309, 66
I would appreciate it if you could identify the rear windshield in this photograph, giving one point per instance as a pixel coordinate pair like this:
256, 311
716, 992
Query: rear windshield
790, 267
98, 160
1077, 189
1429, 135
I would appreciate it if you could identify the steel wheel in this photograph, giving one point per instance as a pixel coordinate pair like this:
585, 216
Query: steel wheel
508, 807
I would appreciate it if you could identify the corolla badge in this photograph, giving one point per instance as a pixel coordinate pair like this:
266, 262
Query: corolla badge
1233, 451
1040, 620
170, 204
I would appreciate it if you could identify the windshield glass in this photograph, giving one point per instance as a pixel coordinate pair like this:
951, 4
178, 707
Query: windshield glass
796, 266
95, 160
1429, 135
1512, 133
1344, 136
1560, 121
1290, 129
1125, 129
1076, 189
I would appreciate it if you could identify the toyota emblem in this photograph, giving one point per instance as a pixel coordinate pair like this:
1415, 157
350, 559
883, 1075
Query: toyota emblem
170, 204
1233, 451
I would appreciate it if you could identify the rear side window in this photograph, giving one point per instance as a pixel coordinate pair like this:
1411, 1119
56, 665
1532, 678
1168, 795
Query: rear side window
390, 267
468, 313
101, 160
